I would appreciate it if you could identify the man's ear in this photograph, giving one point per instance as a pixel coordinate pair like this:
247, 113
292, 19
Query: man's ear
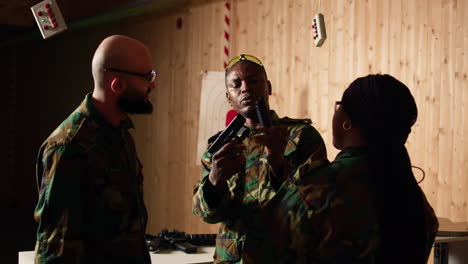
116, 85
269, 87
228, 98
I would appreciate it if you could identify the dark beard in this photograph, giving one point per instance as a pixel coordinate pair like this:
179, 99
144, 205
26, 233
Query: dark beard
135, 106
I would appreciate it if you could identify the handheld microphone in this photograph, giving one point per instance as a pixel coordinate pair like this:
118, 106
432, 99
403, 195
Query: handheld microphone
263, 113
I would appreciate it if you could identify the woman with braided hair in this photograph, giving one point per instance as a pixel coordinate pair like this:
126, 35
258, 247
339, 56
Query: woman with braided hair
365, 206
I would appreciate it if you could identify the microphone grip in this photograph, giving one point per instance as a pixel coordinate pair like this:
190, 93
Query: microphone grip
263, 114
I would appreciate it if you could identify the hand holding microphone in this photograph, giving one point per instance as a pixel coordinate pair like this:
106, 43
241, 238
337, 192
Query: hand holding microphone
274, 138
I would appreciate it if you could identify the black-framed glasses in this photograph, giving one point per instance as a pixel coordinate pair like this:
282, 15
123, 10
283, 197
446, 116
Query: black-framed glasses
149, 76
337, 104
243, 57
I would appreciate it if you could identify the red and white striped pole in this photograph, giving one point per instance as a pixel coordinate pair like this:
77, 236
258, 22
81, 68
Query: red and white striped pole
227, 47
227, 32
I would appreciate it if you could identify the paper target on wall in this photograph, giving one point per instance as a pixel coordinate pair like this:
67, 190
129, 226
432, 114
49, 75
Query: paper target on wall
214, 109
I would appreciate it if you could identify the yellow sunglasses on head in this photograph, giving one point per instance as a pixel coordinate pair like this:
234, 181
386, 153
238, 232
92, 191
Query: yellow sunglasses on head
243, 57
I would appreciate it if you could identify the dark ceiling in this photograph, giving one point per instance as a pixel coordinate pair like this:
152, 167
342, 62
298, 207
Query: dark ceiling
17, 19
18, 13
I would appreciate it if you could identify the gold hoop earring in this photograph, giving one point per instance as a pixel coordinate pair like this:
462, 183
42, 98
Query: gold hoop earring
346, 126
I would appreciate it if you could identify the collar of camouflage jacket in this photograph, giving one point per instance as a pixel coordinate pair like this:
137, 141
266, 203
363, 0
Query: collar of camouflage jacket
89, 109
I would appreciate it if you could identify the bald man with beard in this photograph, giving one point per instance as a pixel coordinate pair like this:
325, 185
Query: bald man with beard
90, 181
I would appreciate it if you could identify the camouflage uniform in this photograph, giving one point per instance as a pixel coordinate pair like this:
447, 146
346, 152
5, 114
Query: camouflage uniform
90, 207
326, 213
237, 238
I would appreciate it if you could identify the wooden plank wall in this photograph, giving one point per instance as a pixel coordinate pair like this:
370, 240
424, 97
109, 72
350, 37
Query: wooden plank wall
420, 42
167, 140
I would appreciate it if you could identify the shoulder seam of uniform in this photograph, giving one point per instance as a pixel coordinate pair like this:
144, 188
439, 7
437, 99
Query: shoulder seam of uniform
69, 135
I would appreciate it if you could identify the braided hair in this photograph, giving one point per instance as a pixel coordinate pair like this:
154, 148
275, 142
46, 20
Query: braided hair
384, 109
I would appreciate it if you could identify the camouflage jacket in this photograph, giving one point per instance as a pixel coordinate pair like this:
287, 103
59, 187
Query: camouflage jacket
90, 207
326, 213
237, 238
